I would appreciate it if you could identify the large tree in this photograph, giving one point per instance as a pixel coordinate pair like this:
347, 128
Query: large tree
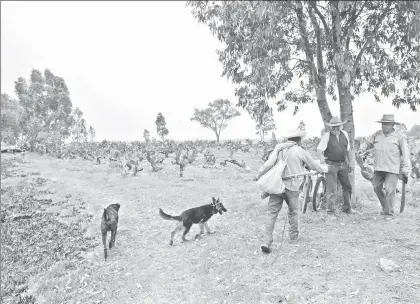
46, 105
216, 116
161, 129
335, 48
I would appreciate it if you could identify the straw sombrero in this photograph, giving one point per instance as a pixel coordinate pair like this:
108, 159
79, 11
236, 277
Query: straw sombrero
335, 121
388, 118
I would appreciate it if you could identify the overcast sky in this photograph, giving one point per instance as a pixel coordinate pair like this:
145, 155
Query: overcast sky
124, 62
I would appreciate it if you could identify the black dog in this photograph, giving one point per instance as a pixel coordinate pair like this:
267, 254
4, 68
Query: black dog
109, 222
198, 215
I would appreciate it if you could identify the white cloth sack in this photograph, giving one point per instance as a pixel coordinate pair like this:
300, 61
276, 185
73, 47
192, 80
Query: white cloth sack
272, 182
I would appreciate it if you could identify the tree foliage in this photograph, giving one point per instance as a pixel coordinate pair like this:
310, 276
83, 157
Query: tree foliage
265, 123
79, 130
92, 133
146, 135
11, 113
335, 48
161, 129
46, 105
216, 116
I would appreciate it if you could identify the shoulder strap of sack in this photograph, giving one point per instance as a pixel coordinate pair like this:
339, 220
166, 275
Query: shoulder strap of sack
287, 154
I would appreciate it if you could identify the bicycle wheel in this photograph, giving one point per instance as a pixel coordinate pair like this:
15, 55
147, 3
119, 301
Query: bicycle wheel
319, 196
307, 190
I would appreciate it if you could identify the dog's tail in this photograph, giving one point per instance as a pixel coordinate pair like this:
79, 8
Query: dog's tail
169, 217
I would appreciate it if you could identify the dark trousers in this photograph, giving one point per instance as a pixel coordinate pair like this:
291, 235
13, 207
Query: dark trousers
342, 175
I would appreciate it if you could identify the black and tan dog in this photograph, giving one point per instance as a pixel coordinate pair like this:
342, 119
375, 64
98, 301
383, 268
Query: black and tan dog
109, 222
198, 215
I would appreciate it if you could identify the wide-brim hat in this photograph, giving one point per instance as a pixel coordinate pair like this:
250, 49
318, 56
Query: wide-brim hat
388, 118
335, 121
295, 133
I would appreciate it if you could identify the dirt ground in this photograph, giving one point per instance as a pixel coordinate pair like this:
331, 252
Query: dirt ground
333, 262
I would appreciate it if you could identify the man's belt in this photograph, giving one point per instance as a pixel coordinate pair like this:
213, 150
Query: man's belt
335, 161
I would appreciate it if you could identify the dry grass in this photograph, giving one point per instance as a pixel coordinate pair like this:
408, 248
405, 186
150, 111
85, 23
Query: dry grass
334, 262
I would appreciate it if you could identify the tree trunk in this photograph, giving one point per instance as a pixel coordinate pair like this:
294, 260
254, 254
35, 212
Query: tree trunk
318, 73
262, 135
217, 137
346, 113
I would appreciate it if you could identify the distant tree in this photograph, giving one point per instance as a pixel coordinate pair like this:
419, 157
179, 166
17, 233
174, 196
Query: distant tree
161, 129
46, 105
414, 131
273, 137
302, 126
92, 134
265, 123
79, 130
216, 116
146, 135
11, 113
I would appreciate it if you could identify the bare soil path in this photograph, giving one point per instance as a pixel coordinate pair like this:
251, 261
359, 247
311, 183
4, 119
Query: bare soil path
334, 262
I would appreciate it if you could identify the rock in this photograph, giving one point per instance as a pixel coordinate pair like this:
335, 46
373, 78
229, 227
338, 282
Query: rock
388, 265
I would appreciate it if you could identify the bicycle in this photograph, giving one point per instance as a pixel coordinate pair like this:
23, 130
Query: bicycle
318, 196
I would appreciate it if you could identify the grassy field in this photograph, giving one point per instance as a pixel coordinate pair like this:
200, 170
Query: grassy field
52, 251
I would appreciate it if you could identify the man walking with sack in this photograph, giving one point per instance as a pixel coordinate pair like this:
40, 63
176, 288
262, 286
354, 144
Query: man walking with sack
334, 149
296, 158
391, 158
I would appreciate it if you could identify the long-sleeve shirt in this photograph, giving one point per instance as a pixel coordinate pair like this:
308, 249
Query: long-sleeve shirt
294, 165
391, 152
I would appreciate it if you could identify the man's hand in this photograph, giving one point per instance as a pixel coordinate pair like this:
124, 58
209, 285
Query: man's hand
351, 169
332, 169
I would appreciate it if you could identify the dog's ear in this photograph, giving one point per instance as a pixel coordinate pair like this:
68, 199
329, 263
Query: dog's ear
214, 200
117, 206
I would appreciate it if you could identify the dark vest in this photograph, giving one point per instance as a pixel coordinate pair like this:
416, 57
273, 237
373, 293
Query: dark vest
336, 149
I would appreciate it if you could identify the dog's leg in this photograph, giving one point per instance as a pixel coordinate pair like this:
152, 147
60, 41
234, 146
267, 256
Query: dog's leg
112, 241
178, 227
104, 233
115, 235
187, 226
208, 228
201, 230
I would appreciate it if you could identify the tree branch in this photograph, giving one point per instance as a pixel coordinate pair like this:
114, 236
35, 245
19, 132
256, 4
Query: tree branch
369, 40
352, 21
326, 28
319, 57
307, 48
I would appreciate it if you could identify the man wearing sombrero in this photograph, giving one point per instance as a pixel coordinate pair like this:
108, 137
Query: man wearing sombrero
295, 157
334, 149
391, 157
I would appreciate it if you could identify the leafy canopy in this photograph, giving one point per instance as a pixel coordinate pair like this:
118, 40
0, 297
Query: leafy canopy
297, 48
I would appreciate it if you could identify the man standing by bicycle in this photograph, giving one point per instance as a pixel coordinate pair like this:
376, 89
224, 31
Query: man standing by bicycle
391, 158
334, 149
297, 157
